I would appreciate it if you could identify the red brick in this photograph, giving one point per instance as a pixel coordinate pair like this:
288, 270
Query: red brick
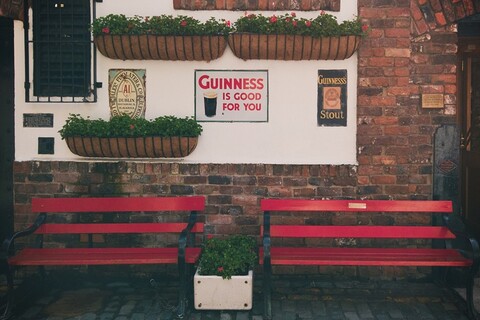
177, 4
386, 120
397, 130
395, 52
440, 18
219, 219
397, 33
263, 4
444, 78
306, 4
421, 27
220, 4
384, 160
363, 180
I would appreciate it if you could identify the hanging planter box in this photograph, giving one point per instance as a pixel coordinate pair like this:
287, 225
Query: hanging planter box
215, 293
158, 47
292, 47
142, 147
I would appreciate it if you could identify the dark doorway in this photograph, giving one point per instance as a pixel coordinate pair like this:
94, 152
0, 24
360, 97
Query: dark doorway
6, 126
469, 54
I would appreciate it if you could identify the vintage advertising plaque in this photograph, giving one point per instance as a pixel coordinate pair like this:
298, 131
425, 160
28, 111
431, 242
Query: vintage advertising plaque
332, 98
126, 90
231, 95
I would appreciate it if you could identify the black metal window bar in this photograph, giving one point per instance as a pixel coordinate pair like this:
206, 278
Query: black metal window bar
64, 57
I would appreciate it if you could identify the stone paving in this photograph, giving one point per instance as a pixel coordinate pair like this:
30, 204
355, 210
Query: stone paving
294, 298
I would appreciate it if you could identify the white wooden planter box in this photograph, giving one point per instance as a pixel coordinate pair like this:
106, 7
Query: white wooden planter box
216, 293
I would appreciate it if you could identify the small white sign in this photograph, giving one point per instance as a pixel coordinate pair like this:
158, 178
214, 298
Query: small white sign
231, 95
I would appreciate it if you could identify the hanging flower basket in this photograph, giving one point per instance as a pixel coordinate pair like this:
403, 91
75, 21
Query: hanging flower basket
163, 37
141, 147
125, 137
161, 47
292, 47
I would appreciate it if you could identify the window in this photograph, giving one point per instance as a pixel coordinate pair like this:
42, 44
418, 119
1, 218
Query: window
62, 52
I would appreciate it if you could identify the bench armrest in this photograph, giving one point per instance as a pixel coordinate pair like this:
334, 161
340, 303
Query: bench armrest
267, 241
8, 244
183, 238
467, 244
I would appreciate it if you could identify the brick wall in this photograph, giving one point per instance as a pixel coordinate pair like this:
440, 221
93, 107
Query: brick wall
429, 15
232, 192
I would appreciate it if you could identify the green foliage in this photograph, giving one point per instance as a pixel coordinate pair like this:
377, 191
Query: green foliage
225, 257
322, 26
159, 25
124, 126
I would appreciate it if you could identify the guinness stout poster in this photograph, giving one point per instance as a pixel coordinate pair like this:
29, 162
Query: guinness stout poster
332, 98
231, 95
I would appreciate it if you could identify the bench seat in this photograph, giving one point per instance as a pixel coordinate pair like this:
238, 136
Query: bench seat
101, 256
366, 257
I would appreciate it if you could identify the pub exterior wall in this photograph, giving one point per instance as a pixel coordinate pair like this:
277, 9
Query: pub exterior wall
394, 142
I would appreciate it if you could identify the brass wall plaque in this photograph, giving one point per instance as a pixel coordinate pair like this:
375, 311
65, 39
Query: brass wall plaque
432, 101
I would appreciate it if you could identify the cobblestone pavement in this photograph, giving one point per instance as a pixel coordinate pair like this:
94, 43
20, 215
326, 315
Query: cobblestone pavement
294, 298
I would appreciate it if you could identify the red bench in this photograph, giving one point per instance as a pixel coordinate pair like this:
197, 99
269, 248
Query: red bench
448, 255
184, 254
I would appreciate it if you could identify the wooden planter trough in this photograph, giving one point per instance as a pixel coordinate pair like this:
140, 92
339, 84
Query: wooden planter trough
143, 147
157, 47
292, 47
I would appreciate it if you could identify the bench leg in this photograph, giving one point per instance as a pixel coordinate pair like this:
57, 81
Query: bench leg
10, 286
472, 313
267, 290
182, 294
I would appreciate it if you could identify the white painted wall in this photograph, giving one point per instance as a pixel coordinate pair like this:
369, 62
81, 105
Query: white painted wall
290, 137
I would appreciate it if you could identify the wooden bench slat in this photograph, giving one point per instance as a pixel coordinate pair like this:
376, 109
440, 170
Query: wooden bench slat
100, 256
366, 257
390, 232
134, 204
356, 205
81, 228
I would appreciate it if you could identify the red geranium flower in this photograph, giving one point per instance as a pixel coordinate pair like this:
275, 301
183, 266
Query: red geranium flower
308, 23
220, 269
273, 19
293, 14
106, 30
364, 28
183, 23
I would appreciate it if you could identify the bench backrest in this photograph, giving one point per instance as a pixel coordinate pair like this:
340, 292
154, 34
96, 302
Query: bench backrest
357, 231
192, 205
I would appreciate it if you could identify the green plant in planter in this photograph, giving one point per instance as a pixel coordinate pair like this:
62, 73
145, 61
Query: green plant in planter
324, 25
125, 126
119, 24
225, 257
